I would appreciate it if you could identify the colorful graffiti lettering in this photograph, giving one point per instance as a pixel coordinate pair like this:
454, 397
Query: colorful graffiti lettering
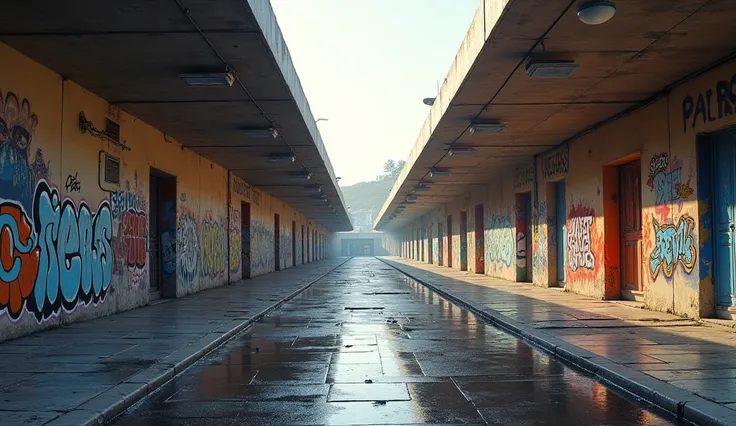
130, 244
673, 244
213, 249
67, 261
19, 259
18, 175
579, 243
262, 247
187, 250
126, 200
500, 240
666, 180
243, 188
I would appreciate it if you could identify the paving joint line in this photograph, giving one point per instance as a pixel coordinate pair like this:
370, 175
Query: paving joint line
677, 402
126, 401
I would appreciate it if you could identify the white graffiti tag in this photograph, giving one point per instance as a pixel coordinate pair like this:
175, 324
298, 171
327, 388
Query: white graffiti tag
579, 250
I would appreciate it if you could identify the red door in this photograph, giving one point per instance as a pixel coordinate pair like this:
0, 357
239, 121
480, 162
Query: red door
479, 242
630, 207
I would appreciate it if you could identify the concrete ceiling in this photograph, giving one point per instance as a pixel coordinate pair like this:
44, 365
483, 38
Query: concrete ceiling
625, 63
131, 53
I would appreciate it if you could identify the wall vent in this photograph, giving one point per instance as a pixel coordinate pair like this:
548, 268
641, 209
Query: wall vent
112, 169
112, 130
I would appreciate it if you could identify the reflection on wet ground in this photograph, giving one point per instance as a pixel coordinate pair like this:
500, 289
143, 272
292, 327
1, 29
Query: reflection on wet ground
366, 345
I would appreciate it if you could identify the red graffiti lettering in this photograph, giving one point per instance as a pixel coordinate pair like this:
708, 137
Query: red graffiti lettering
18, 260
133, 236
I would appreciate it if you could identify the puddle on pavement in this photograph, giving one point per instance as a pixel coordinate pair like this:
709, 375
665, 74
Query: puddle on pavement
344, 353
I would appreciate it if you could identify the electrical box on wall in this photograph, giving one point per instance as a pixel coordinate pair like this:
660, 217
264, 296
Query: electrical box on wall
109, 177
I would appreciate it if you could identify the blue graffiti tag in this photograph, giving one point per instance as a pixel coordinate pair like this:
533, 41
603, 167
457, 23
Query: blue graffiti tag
674, 244
76, 253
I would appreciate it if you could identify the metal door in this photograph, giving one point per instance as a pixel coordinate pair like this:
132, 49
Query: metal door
449, 241
725, 219
479, 241
561, 234
630, 207
154, 246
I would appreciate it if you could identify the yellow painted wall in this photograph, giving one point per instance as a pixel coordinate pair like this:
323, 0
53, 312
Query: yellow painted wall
80, 251
676, 262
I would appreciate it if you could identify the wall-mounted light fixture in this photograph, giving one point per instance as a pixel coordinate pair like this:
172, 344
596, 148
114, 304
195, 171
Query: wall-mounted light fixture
436, 172
461, 152
226, 78
429, 101
260, 132
596, 12
486, 128
550, 69
87, 126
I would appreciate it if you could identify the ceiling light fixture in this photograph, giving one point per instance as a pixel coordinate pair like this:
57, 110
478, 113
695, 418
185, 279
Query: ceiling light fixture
439, 173
313, 188
411, 198
300, 175
596, 12
260, 132
226, 78
422, 188
281, 158
461, 152
486, 128
550, 69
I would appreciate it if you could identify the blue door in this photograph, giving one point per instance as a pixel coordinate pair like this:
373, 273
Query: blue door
725, 220
561, 215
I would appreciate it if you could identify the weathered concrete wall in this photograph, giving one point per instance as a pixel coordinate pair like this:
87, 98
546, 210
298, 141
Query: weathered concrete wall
676, 263
73, 247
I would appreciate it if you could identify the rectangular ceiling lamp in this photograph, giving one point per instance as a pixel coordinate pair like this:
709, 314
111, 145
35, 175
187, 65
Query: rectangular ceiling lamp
313, 188
281, 158
439, 173
301, 175
422, 188
461, 152
486, 128
411, 198
209, 79
550, 69
263, 132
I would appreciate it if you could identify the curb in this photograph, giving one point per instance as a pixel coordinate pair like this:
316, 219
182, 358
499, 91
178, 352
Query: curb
681, 404
106, 406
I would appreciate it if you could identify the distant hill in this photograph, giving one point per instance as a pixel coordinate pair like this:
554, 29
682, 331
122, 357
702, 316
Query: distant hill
367, 195
365, 199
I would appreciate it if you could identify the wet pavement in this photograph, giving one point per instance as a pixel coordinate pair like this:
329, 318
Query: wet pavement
367, 345
87, 371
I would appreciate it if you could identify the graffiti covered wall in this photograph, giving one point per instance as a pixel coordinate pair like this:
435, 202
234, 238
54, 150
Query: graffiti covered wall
73, 247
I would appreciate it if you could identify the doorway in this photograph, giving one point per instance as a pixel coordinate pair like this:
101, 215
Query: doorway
479, 241
523, 232
449, 241
245, 238
724, 198
441, 245
162, 235
630, 222
293, 243
277, 242
463, 241
302, 238
561, 231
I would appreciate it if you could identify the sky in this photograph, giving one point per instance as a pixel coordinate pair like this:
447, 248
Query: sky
366, 65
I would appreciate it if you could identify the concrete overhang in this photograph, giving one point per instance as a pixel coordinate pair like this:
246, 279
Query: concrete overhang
132, 54
648, 47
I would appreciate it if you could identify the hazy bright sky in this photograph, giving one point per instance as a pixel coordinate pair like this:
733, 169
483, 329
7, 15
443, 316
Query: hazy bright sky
366, 65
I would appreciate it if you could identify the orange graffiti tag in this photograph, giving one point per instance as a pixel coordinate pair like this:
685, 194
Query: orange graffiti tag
21, 263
